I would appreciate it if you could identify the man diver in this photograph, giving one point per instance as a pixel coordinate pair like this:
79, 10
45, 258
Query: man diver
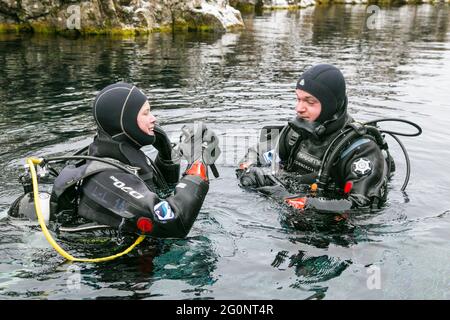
329, 162
129, 191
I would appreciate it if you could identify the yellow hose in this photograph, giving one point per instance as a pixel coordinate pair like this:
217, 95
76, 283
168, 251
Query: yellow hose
37, 205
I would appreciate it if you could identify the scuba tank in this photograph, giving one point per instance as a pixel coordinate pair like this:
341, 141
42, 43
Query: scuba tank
23, 207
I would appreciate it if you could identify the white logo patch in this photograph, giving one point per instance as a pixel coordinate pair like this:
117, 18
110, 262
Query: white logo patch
163, 211
302, 82
122, 186
362, 166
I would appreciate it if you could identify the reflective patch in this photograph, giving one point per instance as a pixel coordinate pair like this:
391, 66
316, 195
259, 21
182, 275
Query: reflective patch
271, 156
181, 185
163, 211
362, 166
353, 146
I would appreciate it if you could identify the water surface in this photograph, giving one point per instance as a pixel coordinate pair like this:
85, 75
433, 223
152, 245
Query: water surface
242, 246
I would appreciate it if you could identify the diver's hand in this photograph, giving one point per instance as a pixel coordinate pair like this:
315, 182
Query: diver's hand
198, 168
254, 177
319, 204
162, 143
197, 142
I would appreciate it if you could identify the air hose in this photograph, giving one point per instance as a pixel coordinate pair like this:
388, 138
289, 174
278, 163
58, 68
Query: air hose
34, 161
331, 153
394, 135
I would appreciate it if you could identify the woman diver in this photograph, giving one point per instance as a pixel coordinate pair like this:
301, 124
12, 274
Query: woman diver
116, 185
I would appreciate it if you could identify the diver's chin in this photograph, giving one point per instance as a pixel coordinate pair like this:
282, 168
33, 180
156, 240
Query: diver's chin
303, 118
300, 125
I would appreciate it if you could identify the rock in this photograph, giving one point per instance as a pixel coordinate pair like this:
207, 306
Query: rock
307, 3
246, 6
287, 4
219, 15
35, 9
277, 4
356, 1
120, 16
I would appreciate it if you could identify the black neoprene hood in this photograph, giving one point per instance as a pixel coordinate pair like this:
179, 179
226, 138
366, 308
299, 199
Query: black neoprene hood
115, 110
327, 84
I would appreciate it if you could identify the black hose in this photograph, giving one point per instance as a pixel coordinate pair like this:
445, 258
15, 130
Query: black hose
323, 175
418, 133
60, 159
328, 150
81, 151
334, 152
408, 163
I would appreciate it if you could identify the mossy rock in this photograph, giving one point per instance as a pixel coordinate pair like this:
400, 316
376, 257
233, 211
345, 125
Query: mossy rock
245, 8
15, 28
323, 2
388, 2
203, 23
43, 28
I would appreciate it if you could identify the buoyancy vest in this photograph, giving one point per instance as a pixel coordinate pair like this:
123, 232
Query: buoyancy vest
105, 146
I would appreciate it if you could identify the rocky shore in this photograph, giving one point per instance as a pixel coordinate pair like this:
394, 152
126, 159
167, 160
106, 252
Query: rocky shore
144, 16
117, 16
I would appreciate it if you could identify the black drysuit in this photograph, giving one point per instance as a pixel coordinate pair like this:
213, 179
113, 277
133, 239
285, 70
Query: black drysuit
108, 195
361, 163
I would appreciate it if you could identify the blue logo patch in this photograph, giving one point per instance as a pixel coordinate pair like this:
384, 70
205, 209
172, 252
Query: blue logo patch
271, 156
163, 211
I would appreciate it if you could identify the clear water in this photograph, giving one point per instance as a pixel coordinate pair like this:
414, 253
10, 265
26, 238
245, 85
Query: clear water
242, 246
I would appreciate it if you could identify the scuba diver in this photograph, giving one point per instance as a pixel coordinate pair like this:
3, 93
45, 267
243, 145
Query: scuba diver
328, 161
114, 184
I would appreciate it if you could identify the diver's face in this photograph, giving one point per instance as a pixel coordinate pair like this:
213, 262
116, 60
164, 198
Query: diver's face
145, 120
308, 107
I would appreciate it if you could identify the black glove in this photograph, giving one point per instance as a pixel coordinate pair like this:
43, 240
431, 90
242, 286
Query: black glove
254, 177
319, 204
162, 143
328, 205
198, 143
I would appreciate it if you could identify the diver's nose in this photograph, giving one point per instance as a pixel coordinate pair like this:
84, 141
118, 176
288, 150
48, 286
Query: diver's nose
300, 107
152, 118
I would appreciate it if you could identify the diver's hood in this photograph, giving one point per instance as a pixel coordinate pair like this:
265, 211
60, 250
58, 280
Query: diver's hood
105, 146
319, 130
115, 110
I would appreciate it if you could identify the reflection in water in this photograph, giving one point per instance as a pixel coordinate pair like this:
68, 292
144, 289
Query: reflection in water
242, 245
190, 262
311, 271
45, 274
